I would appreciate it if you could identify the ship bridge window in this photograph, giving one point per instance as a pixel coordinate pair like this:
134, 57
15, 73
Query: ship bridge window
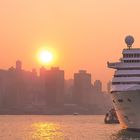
124, 55
120, 100
131, 61
131, 55
129, 100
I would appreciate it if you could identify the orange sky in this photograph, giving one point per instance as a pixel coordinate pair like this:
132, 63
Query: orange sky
84, 33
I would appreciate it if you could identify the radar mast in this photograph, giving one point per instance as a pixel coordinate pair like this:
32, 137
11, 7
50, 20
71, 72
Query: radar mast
129, 40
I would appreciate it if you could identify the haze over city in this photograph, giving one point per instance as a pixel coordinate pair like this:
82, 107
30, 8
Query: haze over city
69, 69
84, 34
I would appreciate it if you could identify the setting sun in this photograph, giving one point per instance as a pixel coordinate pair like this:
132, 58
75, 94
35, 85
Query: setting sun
45, 56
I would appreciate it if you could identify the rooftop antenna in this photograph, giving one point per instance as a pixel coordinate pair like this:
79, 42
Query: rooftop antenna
129, 40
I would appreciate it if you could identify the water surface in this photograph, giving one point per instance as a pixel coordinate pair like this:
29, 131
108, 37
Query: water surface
66, 127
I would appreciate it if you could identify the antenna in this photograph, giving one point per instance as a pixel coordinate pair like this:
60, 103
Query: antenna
129, 40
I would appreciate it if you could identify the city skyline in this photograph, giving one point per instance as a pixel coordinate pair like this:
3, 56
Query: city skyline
25, 92
69, 69
40, 72
84, 34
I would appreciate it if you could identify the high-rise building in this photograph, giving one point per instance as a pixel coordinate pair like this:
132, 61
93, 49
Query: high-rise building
82, 87
98, 86
34, 72
42, 72
54, 86
69, 91
18, 65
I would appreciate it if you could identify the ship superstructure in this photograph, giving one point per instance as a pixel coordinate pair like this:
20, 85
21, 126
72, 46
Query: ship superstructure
125, 88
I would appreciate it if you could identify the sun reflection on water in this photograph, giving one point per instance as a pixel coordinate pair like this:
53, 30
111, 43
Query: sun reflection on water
47, 131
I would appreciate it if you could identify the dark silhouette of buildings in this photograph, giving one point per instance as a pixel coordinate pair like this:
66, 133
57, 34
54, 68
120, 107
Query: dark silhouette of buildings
68, 91
18, 65
24, 92
82, 87
98, 86
54, 87
89, 96
43, 73
18, 87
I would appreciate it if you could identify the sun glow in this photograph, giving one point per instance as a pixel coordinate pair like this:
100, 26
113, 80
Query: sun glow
45, 57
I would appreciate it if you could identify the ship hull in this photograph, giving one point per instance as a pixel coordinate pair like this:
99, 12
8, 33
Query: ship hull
127, 107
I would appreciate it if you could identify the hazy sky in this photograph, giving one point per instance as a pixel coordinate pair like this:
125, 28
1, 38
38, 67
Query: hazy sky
84, 33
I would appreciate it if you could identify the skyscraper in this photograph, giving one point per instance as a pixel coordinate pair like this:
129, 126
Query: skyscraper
42, 72
98, 86
82, 87
18, 65
54, 86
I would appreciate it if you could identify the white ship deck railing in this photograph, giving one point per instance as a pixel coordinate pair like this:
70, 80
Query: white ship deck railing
131, 58
122, 65
131, 51
126, 79
123, 87
127, 72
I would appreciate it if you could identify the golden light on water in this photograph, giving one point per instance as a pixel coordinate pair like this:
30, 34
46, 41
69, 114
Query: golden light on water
47, 131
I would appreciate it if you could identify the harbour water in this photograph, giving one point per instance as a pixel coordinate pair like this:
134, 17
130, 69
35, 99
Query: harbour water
66, 127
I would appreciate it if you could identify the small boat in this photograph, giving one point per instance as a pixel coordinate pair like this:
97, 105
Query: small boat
76, 113
111, 117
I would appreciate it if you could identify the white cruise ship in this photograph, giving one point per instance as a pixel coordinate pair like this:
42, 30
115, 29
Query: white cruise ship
125, 87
